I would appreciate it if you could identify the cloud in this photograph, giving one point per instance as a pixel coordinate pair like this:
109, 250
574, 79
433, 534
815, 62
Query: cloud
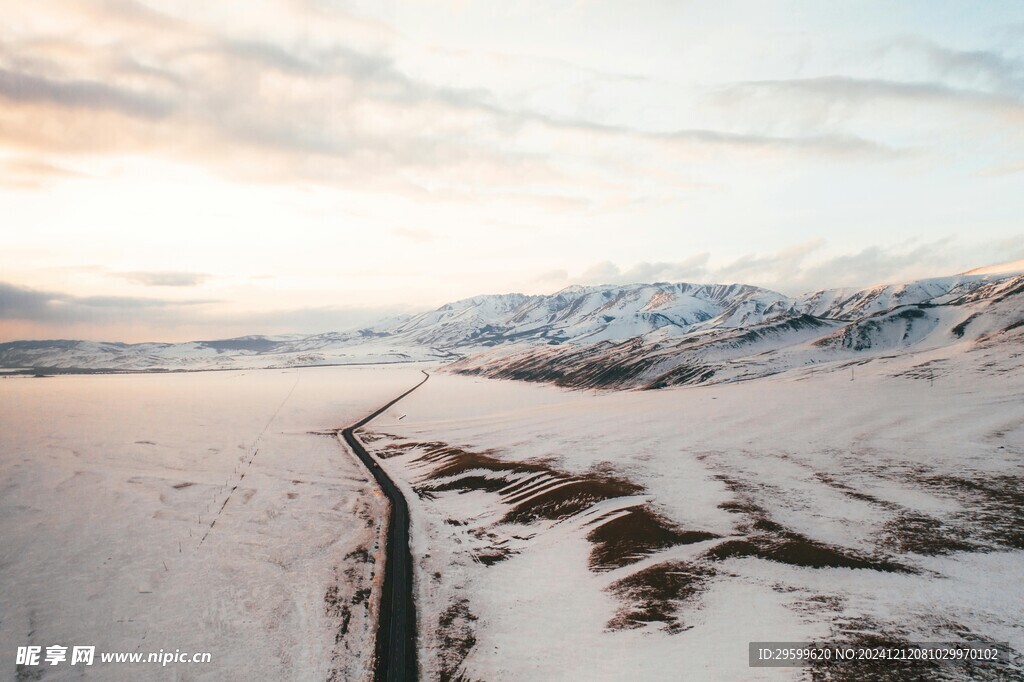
607, 272
33, 173
850, 90
1007, 169
21, 87
984, 69
904, 262
19, 303
413, 234
688, 269
321, 97
919, 105
904, 88
25, 304
825, 144
557, 275
800, 268
34, 313
284, 107
165, 279
777, 266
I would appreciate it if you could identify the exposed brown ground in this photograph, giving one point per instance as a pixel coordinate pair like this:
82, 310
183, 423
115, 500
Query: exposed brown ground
657, 593
455, 630
629, 538
537, 492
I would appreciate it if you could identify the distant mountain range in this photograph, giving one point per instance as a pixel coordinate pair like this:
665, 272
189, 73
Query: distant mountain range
638, 335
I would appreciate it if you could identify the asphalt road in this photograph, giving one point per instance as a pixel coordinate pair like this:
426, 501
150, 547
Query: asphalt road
395, 655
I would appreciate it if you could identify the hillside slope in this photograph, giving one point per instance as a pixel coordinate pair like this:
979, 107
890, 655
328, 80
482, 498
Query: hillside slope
975, 318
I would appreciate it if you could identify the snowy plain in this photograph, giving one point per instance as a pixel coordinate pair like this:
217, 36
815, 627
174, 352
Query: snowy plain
871, 496
875, 505
207, 512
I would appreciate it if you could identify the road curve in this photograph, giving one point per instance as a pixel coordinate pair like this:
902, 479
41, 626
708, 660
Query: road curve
395, 652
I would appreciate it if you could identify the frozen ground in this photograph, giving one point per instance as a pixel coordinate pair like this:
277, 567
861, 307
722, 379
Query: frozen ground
558, 534
196, 511
652, 535
247, 352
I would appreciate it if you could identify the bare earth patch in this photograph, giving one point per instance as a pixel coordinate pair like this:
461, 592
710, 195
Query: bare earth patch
632, 536
536, 493
657, 594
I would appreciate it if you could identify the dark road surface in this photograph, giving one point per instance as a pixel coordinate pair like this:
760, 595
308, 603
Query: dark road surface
395, 656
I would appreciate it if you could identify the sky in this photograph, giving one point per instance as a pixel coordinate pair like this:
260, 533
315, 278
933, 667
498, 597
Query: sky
178, 170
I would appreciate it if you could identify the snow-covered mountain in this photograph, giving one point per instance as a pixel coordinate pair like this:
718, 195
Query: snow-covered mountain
576, 314
638, 335
590, 314
850, 304
978, 317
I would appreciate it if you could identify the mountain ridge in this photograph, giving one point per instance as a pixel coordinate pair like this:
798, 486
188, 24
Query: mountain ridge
667, 325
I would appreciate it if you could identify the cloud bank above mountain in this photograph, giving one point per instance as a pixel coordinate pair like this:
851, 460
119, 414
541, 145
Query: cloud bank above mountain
322, 154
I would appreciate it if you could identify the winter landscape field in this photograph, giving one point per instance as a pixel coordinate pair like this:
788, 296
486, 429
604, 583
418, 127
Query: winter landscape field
581, 536
534, 341
207, 512
688, 469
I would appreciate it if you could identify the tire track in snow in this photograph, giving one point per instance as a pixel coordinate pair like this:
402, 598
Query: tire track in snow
256, 451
